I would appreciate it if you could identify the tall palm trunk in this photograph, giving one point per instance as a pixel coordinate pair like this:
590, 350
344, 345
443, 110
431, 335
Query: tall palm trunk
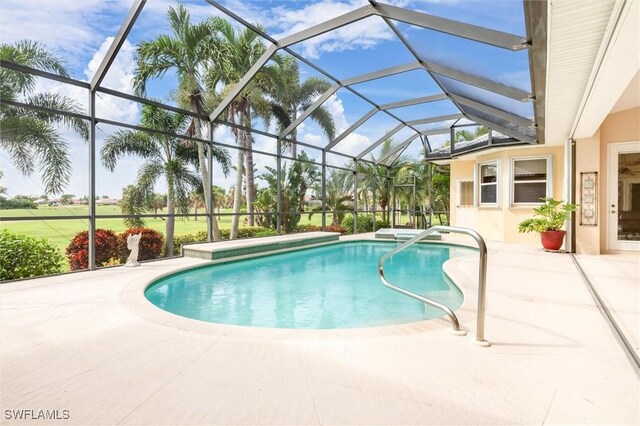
171, 220
237, 193
202, 164
250, 179
294, 135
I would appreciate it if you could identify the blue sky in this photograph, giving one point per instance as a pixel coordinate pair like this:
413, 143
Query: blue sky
80, 31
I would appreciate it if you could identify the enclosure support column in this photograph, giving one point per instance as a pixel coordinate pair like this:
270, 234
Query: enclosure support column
208, 195
430, 194
92, 180
390, 207
279, 188
413, 206
373, 191
355, 198
324, 190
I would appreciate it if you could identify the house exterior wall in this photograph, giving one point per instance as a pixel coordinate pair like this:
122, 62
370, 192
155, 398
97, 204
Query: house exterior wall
591, 156
501, 223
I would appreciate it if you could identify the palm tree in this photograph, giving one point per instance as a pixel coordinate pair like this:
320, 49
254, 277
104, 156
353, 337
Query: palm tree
187, 51
295, 97
238, 51
163, 155
30, 137
218, 197
196, 198
338, 196
377, 177
310, 175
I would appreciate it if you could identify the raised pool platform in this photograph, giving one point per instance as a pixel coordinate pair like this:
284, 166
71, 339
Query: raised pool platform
226, 250
400, 234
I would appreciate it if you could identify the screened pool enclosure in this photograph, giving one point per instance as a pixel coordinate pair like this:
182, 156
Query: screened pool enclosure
208, 121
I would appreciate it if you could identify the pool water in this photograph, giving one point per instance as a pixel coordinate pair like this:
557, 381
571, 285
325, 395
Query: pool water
334, 286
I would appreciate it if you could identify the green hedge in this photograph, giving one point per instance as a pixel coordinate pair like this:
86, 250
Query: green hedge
24, 257
200, 237
365, 224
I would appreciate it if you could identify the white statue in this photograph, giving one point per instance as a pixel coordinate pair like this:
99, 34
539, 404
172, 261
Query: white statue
132, 244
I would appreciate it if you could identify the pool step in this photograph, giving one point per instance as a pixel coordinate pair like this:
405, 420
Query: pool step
405, 237
250, 247
405, 234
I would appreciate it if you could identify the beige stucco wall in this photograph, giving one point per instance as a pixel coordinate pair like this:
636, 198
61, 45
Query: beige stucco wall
591, 156
588, 160
501, 223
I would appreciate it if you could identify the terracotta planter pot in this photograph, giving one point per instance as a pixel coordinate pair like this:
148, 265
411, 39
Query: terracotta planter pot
552, 240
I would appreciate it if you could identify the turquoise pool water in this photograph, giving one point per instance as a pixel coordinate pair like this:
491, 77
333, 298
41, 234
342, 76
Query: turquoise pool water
334, 286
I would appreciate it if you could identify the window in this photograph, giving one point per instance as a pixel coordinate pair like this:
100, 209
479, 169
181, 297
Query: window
465, 193
530, 180
488, 188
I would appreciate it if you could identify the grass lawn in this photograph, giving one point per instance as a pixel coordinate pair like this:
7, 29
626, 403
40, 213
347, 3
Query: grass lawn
60, 232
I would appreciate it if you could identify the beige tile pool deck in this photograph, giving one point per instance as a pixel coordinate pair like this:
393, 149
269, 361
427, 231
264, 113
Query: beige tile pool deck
91, 344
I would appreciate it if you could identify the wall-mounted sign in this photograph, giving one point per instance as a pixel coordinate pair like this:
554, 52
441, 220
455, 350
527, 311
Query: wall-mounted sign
589, 198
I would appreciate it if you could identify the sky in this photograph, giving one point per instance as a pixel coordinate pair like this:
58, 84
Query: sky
81, 31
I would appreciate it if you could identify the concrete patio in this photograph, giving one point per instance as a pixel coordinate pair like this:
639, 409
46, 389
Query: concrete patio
91, 344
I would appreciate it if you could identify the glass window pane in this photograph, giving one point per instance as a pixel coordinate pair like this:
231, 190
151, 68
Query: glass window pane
530, 170
488, 194
488, 173
529, 192
629, 196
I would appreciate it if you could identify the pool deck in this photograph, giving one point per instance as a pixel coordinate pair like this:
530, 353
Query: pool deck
89, 343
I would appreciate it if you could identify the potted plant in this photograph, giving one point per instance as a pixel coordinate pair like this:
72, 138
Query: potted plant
548, 220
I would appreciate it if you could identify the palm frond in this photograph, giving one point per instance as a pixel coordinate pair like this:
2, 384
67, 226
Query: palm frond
61, 103
325, 121
127, 142
31, 141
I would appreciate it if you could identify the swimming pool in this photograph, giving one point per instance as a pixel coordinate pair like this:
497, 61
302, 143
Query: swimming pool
328, 287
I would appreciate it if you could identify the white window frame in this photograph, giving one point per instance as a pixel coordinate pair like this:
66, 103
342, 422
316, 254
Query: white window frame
478, 184
548, 181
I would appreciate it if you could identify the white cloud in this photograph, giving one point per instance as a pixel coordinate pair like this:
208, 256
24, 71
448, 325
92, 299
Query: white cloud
336, 108
75, 28
312, 139
120, 78
353, 144
363, 34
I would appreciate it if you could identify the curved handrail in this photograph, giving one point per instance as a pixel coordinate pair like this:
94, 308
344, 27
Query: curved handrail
482, 277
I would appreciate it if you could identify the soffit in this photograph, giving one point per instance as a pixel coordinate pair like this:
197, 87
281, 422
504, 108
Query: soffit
576, 31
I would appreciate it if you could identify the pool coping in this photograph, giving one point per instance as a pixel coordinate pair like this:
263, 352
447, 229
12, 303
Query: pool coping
134, 299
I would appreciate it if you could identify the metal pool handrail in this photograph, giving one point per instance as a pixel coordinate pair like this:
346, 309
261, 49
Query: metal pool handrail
482, 278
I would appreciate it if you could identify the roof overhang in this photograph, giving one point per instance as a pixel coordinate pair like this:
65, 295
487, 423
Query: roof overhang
593, 55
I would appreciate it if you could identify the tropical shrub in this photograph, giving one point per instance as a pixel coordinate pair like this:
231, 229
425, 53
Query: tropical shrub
549, 216
337, 228
255, 231
150, 246
365, 224
17, 203
201, 236
198, 237
78, 249
22, 256
307, 228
